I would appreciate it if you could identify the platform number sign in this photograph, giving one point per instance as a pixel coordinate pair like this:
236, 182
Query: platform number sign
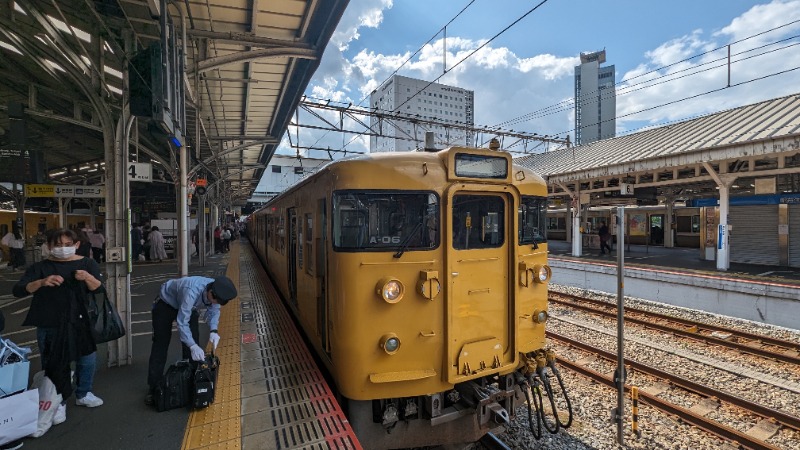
140, 172
626, 189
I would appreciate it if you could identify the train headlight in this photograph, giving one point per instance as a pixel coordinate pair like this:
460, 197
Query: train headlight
390, 343
542, 273
390, 289
540, 316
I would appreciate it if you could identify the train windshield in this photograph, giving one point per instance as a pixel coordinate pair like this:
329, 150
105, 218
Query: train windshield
385, 220
532, 220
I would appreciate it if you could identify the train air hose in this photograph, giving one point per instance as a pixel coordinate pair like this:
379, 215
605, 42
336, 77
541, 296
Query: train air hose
548, 390
551, 363
533, 409
541, 363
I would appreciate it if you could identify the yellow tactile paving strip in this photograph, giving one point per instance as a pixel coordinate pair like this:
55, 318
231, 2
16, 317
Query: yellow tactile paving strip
219, 426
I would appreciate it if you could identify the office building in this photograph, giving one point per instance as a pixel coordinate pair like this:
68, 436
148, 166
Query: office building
595, 99
410, 99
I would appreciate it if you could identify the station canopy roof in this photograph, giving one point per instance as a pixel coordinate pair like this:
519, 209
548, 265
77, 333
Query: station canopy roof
248, 63
761, 140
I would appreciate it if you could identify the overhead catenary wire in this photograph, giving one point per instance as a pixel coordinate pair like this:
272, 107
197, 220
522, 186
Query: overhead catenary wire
416, 52
480, 47
561, 105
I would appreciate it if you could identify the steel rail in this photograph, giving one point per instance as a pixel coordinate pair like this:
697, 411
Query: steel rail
787, 420
687, 416
759, 351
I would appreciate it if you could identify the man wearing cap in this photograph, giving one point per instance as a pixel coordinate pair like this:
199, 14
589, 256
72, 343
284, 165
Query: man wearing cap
178, 301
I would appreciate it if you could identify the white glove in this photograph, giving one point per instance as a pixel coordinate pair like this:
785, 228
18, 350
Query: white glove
214, 338
197, 353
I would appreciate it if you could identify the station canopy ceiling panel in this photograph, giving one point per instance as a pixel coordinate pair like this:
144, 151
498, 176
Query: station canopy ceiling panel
247, 65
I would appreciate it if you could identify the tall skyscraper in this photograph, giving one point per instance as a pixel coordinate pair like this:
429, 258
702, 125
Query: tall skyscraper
415, 99
595, 99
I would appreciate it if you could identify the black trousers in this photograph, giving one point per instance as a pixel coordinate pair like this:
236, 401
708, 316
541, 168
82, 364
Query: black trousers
163, 316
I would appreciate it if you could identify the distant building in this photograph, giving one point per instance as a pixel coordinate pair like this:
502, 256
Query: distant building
439, 102
282, 173
595, 99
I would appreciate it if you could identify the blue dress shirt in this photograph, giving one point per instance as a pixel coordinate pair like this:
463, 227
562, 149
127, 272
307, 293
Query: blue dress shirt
187, 294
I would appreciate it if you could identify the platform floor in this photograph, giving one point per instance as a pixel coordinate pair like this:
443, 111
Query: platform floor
679, 258
269, 388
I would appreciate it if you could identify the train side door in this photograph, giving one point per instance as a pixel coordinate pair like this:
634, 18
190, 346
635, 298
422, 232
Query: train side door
480, 300
292, 256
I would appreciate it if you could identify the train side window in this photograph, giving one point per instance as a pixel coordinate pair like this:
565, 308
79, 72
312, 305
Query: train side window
532, 220
309, 228
282, 235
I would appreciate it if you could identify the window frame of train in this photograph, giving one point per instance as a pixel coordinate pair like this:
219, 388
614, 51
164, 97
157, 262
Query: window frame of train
383, 220
532, 226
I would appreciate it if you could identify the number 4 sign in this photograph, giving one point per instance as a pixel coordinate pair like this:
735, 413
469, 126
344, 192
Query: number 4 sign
140, 172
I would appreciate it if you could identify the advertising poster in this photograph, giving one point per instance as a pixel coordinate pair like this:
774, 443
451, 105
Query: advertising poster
638, 224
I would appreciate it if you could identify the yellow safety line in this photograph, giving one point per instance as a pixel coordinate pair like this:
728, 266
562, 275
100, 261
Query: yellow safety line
220, 425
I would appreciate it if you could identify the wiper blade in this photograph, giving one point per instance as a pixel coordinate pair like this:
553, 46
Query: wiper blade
407, 240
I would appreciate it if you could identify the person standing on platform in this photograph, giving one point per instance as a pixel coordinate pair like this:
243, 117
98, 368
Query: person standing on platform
146, 244
605, 237
178, 301
136, 242
16, 247
84, 247
98, 241
217, 240
58, 311
157, 249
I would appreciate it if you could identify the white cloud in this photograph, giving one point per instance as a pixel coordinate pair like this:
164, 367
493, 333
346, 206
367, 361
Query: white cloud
506, 85
364, 13
703, 75
536, 86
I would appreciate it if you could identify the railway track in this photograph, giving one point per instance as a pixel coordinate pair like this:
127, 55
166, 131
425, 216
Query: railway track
762, 346
687, 415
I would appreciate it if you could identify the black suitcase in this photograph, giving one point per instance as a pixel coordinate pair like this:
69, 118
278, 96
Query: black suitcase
175, 388
204, 381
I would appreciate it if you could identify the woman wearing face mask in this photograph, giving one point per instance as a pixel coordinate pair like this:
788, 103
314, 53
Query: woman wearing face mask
58, 310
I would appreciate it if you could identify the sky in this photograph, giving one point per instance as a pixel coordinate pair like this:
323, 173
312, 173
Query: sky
670, 59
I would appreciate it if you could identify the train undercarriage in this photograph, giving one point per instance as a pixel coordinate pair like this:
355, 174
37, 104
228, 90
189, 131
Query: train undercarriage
467, 412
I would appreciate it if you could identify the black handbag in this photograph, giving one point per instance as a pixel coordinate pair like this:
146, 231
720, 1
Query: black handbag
205, 381
103, 316
174, 390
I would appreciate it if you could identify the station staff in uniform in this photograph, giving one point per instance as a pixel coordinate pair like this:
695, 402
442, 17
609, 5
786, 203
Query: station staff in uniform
178, 300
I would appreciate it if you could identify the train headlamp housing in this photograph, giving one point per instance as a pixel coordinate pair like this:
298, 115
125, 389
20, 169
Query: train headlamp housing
390, 289
541, 273
390, 343
540, 316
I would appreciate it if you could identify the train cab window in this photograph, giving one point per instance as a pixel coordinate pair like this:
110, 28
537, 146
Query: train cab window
478, 221
385, 220
532, 220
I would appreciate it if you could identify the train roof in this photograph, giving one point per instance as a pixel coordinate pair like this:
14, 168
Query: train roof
383, 162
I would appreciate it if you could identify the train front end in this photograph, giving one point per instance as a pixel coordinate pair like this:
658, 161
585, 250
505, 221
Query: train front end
446, 263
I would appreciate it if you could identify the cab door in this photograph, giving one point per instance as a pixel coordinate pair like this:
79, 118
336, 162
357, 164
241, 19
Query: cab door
480, 305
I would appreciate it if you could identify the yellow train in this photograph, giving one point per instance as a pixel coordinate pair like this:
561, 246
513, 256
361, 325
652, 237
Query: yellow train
420, 278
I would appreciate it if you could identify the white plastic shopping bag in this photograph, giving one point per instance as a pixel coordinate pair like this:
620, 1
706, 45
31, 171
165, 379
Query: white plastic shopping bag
49, 400
18, 415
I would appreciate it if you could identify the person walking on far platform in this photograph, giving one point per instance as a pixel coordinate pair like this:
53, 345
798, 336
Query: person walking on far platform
178, 301
605, 237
